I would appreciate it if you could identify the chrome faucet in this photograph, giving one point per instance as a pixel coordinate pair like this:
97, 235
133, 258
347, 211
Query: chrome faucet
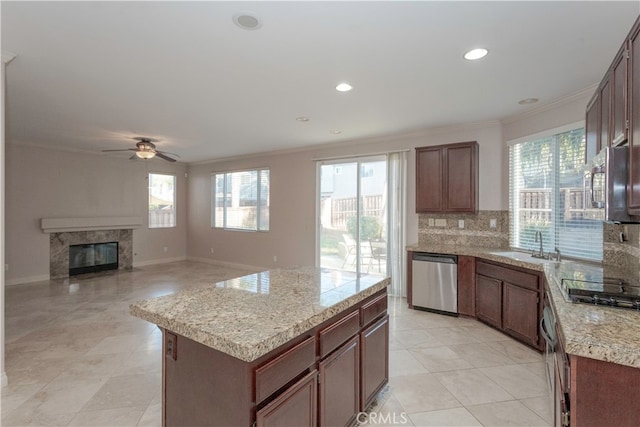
558, 256
540, 253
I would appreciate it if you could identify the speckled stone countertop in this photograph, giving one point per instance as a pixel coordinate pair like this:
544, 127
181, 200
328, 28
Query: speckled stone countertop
249, 316
598, 332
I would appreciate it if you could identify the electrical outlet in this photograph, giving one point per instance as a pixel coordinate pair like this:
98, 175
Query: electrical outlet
166, 249
493, 223
441, 222
461, 223
171, 346
430, 222
211, 251
275, 258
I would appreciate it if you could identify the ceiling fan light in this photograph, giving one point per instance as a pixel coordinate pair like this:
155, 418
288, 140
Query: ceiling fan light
146, 154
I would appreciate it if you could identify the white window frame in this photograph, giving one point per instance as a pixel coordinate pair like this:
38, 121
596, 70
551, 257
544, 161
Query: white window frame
259, 207
174, 202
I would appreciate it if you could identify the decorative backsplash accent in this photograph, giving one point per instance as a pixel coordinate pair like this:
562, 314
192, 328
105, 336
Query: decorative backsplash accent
625, 254
477, 229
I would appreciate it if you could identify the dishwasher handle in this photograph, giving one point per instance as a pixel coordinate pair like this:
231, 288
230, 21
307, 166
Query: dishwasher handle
443, 259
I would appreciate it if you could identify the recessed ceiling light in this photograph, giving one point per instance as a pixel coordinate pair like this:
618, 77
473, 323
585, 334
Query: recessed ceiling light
247, 21
302, 119
528, 101
336, 132
474, 54
344, 87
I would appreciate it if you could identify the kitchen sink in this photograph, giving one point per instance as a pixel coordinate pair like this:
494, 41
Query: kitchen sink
523, 256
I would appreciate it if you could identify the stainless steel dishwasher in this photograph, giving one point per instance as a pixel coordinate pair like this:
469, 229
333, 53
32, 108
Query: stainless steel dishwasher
434, 281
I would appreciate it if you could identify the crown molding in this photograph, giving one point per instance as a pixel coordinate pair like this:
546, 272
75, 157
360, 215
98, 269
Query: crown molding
8, 57
567, 99
357, 142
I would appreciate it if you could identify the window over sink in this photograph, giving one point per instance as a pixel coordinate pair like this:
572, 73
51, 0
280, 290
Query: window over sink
547, 194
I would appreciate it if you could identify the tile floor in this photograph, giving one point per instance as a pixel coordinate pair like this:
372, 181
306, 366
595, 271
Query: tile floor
75, 357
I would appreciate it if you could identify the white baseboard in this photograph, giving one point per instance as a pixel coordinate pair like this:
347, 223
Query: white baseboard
4, 381
253, 268
158, 261
26, 279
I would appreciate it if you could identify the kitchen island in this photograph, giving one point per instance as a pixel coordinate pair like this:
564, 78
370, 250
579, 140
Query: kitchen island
302, 346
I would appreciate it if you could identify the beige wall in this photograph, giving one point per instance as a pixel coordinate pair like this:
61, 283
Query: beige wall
293, 192
51, 183
44, 183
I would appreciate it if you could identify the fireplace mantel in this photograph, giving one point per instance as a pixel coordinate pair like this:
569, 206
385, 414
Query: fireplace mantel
59, 225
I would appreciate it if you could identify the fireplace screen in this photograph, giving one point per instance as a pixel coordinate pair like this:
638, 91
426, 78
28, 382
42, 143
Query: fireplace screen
94, 257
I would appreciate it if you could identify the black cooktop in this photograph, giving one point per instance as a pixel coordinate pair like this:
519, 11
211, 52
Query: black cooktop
610, 292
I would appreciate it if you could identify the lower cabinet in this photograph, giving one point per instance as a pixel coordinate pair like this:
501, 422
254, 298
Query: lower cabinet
508, 299
489, 300
520, 313
298, 406
339, 385
374, 360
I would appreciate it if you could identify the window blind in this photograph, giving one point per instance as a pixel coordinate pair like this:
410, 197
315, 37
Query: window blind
547, 193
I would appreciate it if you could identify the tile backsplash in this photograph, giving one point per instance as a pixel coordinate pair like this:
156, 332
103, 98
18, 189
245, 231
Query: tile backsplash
465, 229
622, 246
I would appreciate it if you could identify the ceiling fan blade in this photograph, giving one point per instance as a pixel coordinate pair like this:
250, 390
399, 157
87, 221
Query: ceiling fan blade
167, 158
166, 152
124, 149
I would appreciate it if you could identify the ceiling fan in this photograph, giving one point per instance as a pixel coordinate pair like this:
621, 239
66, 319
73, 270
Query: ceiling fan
146, 149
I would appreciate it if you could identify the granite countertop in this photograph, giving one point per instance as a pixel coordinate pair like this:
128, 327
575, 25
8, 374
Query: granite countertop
597, 332
249, 316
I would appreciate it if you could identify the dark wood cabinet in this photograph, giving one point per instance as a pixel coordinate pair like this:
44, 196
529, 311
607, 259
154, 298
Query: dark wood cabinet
325, 376
296, 407
466, 285
509, 298
339, 388
592, 128
605, 112
520, 313
489, 300
429, 180
633, 193
619, 114
374, 360
447, 178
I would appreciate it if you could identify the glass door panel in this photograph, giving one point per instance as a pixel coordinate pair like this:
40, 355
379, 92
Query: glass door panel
352, 216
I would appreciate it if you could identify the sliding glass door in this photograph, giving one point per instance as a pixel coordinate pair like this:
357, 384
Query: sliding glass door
352, 224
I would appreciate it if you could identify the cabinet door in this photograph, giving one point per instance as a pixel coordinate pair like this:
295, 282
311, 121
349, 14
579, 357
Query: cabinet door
374, 359
619, 97
296, 407
520, 313
489, 300
460, 168
592, 127
340, 385
429, 183
605, 111
467, 285
634, 122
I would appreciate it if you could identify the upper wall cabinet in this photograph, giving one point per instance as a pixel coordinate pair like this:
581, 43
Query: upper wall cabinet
447, 178
592, 127
608, 113
633, 192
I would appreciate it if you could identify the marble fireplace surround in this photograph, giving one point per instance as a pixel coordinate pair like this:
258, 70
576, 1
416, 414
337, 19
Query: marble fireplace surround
75, 231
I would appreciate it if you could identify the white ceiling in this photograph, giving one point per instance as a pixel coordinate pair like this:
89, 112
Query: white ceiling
90, 75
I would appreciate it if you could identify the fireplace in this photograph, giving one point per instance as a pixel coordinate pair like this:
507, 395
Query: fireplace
93, 258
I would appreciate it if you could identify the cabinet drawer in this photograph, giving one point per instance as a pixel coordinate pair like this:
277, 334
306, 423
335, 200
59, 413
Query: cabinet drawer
284, 368
333, 336
520, 278
373, 309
